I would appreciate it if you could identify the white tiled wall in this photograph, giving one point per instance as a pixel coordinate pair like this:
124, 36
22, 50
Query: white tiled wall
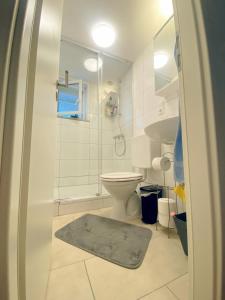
77, 164
125, 119
107, 126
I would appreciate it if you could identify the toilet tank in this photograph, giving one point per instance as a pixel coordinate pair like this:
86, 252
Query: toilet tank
143, 151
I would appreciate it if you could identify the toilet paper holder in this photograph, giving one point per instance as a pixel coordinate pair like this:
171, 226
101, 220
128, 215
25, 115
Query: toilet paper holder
162, 163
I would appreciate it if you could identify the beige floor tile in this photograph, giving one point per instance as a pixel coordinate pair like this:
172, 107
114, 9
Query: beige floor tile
180, 287
164, 261
161, 231
64, 254
69, 283
60, 221
161, 294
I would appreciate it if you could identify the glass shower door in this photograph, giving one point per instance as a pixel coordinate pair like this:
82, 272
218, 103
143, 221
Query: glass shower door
115, 115
78, 124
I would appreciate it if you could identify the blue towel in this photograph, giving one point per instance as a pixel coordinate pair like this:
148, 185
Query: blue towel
178, 157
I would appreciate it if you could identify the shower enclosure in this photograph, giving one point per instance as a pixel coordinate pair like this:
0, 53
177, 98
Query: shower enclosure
94, 122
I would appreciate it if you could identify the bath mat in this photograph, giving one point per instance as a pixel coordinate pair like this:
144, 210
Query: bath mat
118, 242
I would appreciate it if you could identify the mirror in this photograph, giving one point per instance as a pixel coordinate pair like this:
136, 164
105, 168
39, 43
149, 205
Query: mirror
87, 69
82, 66
164, 62
113, 72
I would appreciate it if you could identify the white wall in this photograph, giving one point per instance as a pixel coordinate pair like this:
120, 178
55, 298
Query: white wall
149, 108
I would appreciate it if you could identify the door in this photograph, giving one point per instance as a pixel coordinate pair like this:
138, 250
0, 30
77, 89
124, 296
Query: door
200, 25
31, 32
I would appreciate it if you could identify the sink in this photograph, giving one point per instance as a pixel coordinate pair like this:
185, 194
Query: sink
163, 131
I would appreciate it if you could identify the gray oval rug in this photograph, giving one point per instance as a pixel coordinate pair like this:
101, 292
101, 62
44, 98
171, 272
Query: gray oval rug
118, 242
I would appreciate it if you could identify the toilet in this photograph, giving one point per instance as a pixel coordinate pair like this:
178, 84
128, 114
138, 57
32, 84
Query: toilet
122, 185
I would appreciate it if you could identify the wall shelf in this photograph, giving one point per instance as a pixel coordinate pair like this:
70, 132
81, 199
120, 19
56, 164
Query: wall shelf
169, 91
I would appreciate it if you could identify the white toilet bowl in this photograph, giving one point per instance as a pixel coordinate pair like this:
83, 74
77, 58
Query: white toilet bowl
121, 186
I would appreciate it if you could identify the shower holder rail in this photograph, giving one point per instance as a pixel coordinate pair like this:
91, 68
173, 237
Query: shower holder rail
118, 136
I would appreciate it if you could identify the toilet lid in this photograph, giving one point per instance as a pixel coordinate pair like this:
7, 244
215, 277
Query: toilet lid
121, 176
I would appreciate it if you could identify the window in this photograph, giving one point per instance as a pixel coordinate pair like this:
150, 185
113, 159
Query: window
72, 101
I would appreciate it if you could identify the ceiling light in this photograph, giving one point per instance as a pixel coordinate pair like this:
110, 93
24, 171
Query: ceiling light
93, 64
160, 60
166, 7
103, 35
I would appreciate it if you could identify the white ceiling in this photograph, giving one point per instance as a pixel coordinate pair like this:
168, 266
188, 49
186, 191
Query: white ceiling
135, 22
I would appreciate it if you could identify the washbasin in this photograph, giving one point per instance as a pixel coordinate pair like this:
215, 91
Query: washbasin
163, 131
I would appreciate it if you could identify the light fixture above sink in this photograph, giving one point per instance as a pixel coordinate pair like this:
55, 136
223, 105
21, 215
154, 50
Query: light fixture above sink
163, 131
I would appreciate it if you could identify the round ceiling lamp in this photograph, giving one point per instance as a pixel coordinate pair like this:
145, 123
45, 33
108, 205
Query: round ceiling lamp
160, 60
93, 64
103, 35
166, 8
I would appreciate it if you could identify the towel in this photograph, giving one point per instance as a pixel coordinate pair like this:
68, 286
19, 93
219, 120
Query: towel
178, 157
180, 191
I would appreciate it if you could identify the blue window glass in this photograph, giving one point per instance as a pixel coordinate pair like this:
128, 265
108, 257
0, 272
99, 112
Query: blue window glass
68, 101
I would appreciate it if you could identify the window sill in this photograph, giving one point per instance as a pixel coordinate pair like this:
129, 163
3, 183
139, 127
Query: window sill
73, 119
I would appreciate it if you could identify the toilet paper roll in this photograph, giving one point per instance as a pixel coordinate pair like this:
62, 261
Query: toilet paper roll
165, 207
161, 163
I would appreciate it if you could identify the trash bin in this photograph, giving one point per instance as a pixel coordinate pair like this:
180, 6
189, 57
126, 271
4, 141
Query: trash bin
181, 225
149, 203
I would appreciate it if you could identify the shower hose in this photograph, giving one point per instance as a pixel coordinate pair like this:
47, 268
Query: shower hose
124, 145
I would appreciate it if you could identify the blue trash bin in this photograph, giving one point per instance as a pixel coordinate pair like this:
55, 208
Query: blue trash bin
149, 203
181, 225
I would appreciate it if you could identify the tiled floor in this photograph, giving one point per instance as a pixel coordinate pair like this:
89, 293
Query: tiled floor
76, 274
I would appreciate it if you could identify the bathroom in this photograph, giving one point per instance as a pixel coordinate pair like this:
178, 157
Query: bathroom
124, 115
112, 150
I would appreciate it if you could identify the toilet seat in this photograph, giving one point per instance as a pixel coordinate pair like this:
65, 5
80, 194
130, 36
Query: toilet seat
121, 176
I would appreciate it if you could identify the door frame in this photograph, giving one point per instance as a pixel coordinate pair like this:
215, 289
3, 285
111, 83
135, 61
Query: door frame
17, 18
203, 142
31, 31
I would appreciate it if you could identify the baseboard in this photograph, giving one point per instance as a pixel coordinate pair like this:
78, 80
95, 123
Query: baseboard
70, 206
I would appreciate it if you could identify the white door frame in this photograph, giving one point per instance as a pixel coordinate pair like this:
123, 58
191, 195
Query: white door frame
202, 111
12, 101
31, 32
